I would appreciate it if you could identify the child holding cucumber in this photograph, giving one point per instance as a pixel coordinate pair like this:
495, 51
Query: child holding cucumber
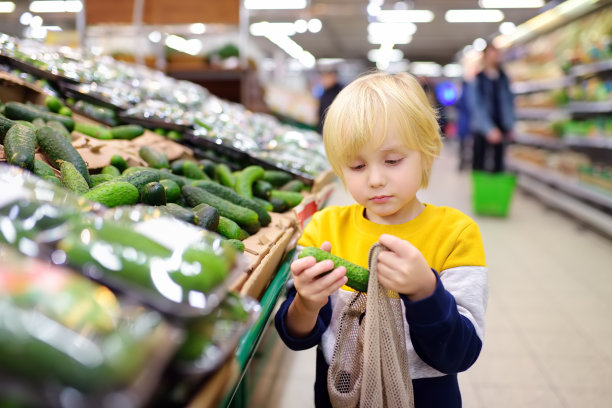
381, 137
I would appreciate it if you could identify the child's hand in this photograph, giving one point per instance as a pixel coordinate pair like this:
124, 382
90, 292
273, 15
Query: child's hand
312, 284
404, 269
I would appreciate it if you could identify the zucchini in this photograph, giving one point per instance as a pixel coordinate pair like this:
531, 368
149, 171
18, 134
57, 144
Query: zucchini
277, 177
119, 162
56, 147
262, 189
153, 157
181, 213
225, 176
245, 217
229, 229
153, 193
19, 146
173, 191
248, 176
232, 196
72, 179
208, 216
92, 130
113, 193
16, 110
357, 275
291, 198
127, 132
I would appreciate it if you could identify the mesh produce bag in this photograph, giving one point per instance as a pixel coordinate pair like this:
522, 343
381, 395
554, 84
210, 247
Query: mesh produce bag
369, 365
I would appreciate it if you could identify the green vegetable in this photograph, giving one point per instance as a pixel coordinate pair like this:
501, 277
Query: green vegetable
277, 177
19, 146
42, 169
96, 179
98, 113
236, 243
265, 204
173, 191
56, 147
278, 205
230, 229
357, 275
92, 130
225, 176
119, 162
262, 189
181, 213
60, 128
248, 176
209, 167
72, 179
192, 170
139, 176
208, 216
112, 170
291, 198
53, 103
113, 193
153, 157
5, 125
127, 132
16, 110
294, 185
153, 193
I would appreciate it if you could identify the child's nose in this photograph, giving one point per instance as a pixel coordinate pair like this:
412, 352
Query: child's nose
376, 177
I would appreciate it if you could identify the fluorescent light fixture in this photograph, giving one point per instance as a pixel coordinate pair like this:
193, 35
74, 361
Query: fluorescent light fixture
7, 6
36, 22
293, 49
405, 16
373, 9
507, 27
301, 26
473, 16
479, 44
265, 28
275, 4
155, 36
25, 18
500, 4
392, 55
392, 29
452, 70
314, 25
395, 39
53, 6
426, 68
52, 28
191, 47
197, 28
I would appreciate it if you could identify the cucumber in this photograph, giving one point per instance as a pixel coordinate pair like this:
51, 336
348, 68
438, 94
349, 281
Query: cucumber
98, 113
119, 162
229, 229
278, 205
42, 169
16, 110
208, 216
265, 204
181, 213
112, 170
291, 198
357, 275
127, 132
230, 195
56, 147
38, 123
65, 111
174, 135
60, 128
72, 179
53, 103
164, 174
19, 146
153, 193
192, 170
294, 185
139, 176
248, 176
236, 243
225, 176
209, 168
52, 179
173, 191
262, 189
5, 125
96, 179
177, 166
113, 193
92, 130
277, 177
153, 157
25, 123
245, 217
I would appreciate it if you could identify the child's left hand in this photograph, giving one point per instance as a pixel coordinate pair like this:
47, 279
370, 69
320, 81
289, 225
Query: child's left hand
404, 269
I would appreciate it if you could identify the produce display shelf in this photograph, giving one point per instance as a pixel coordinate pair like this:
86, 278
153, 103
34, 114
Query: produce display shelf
593, 68
538, 85
568, 185
541, 113
595, 142
590, 107
36, 71
538, 141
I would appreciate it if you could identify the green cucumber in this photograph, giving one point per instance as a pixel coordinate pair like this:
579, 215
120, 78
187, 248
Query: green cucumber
173, 190
119, 162
96, 179
56, 147
92, 130
277, 177
98, 113
232, 196
112, 170
265, 204
38, 123
177, 166
19, 146
113, 193
229, 229
181, 213
192, 170
236, 243
209, 167
60, 128
208, 216
248, 176
127, 132
16, 110
278, 205
291, 198
5, 125
357, 275
225, 176
296, 185
153, 157
42, 169
165, 174
52, 179
139, 176
72, 179
245, 217
262, 189
53, 103
153, 193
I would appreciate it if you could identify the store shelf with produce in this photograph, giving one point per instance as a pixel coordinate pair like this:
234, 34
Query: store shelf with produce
541, 113
595, 142
591, 69
539, 85
589, 107
538, 141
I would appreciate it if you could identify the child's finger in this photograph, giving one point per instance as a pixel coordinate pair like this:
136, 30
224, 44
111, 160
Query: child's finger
331, 281
326, 246
300, 265
317, 269
394, 243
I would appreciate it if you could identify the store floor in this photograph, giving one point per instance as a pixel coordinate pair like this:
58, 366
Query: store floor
549, 326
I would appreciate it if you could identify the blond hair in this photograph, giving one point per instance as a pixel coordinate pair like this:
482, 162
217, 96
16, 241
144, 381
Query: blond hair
371, 103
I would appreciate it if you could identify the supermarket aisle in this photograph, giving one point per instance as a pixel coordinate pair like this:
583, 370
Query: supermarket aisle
548, 327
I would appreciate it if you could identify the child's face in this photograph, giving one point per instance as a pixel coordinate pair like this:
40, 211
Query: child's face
385, 180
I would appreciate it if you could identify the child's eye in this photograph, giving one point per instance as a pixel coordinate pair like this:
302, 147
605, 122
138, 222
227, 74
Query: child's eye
393, 161
357, 167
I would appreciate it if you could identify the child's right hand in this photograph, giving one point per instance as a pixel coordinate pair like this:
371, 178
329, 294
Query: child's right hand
313, 283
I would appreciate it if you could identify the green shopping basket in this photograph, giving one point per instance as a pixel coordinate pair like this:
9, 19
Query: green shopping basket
492, 192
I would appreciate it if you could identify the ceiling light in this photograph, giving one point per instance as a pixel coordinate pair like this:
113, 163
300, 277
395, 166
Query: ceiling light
314, 25
274, 4
25, 18
293, 49
452, 70
392, 29
52, 28
392, 55
264, 28
155, 36
507, 27
191, 47
7, 6
373, 9
473, 16
479, 44
36, 22
301, 26
425, 68
511, 3
405, 16
197, 28
53, 6
395, 39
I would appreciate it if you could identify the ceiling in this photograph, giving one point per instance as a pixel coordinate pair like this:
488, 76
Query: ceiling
344, 32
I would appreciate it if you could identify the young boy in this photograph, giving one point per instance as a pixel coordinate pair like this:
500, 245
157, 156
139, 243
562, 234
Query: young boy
381, 137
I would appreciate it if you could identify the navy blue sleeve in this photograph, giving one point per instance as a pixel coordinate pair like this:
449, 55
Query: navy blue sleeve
441, 336
301, 343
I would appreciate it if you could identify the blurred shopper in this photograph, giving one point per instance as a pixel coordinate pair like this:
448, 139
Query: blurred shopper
331, 88
491, 113
464, 133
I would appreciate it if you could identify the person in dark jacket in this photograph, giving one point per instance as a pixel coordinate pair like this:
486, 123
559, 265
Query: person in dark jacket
331, 88
491, 112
